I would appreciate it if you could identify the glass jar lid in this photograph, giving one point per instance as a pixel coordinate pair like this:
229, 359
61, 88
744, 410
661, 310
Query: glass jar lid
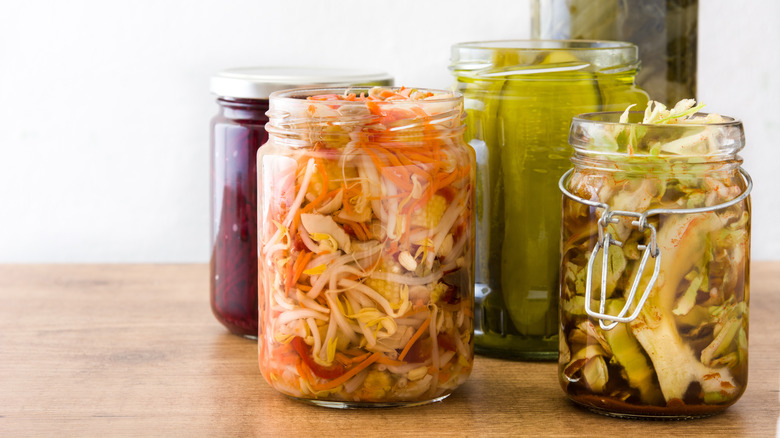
260, 82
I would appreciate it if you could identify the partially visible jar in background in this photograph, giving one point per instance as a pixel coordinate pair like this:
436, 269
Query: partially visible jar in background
666, 32
237, 131
655, 265
520, 97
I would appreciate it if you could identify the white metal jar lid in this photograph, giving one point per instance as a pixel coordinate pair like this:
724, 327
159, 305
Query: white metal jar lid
260, 82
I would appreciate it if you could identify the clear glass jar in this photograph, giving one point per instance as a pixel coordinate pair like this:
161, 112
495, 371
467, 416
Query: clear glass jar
520, 97
655, 267
366, 247
237, 131
665, 31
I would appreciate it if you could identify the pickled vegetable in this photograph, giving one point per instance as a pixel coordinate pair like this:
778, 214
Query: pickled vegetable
233, 264
366, 248
520, 103
686, 353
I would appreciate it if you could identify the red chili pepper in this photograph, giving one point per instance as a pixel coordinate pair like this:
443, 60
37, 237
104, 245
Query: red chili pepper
304, 351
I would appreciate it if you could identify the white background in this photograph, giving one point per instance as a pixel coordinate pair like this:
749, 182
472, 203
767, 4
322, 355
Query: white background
105, 108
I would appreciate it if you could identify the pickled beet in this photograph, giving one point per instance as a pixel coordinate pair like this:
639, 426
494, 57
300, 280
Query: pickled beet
237, 132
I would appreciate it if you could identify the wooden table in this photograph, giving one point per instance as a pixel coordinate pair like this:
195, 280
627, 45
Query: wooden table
133, 350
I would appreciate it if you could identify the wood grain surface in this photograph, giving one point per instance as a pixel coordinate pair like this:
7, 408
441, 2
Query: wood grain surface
133, 350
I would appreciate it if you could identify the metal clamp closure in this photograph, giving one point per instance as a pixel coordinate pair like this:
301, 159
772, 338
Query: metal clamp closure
650, 250
605, 240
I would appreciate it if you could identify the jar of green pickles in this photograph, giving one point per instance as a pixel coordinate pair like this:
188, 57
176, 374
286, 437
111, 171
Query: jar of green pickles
655, 264
520, 97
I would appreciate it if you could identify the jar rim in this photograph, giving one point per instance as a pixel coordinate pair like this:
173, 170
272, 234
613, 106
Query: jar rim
602, 134
514, 59
613, 118
545, 45
293, 116
300, 95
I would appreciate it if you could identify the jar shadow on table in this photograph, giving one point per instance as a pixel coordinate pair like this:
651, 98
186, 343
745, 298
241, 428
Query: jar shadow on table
521, 396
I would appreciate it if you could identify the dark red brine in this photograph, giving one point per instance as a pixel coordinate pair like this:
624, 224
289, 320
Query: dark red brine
237, 132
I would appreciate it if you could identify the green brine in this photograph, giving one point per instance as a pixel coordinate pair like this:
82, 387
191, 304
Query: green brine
520, 98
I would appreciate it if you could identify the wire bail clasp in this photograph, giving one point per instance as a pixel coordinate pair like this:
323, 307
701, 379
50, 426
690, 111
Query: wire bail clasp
605, 240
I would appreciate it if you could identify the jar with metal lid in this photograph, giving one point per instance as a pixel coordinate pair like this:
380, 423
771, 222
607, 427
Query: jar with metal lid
237, 131
520, 97
365, 222
655, 266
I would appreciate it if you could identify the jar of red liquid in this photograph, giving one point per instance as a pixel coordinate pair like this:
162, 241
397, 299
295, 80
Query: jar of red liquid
237, 131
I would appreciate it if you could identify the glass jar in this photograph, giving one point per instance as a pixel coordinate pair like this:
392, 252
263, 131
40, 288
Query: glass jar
665, 31
655, 267
520, 97
366, 247
237, 131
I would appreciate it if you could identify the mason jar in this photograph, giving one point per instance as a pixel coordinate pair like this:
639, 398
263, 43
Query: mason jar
520, 97
665, 31
655, 267
365, 223
237, 131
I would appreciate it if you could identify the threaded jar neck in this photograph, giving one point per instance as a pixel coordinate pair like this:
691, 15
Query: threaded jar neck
601, 141
302, 118
543, 59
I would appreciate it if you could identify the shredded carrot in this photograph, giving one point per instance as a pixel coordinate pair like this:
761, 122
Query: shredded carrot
324, 173
414, 338
319, 200
382, 197
384, 360
415, 310
393, 248
390, 173
303, 371
288, 278
302, 266
413, 167
421, 158
359, 357
343, 359
350, 192
366, 230
425, 197
295, 223
446, 180
346, 376
355, 226
393, 159
407, 226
